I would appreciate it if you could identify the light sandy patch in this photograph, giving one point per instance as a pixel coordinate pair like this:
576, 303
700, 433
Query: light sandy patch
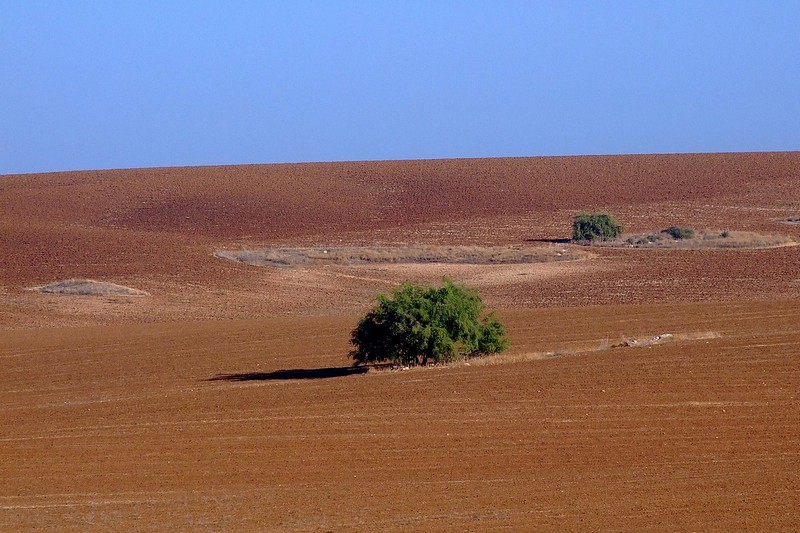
485, 275
572, 349
697, 336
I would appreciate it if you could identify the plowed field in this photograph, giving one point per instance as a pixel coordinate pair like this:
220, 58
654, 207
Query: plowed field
222, 401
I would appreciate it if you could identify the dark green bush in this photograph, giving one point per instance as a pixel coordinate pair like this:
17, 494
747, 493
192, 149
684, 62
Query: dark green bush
595, 226
679, 233
420, 325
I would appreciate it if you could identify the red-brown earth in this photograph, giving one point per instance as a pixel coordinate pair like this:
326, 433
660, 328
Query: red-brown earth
112, 418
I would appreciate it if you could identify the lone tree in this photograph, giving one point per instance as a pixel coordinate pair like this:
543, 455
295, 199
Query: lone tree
420, 325
595, 226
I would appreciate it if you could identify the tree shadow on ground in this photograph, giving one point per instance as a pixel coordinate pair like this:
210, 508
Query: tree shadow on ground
551, 241
294, 373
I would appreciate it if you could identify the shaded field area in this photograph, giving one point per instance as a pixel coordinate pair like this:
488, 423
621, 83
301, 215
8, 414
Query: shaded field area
294, 373
215, 425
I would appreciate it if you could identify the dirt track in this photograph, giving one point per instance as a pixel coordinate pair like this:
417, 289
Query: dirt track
110, 417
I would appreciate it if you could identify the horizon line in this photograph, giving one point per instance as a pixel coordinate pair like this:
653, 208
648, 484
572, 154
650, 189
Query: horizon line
411, 159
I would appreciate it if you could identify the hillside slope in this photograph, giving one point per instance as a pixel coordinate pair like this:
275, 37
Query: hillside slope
156, 230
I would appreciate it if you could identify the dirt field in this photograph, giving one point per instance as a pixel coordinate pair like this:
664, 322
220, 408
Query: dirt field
221, 401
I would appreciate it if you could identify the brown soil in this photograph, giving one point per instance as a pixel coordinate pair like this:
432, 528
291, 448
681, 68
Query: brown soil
126, 427
112, 418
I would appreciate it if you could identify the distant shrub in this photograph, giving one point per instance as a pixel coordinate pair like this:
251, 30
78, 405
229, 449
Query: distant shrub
725, 234
595, 226
679, 233
421, 325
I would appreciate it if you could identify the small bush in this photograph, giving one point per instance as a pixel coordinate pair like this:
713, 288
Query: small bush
725, 234
421, 325
595, 226
679, 233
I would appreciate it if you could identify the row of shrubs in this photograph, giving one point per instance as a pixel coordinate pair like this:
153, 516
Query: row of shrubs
588, 227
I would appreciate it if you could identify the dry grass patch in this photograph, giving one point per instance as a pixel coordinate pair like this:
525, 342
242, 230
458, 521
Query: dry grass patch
415, 254
87, 287
701, 240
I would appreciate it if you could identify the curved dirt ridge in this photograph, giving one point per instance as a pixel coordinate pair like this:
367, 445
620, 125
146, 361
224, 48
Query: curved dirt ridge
87, 287
412, 254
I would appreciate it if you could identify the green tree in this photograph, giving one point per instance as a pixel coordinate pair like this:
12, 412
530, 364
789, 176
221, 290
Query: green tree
595, 226
420, 325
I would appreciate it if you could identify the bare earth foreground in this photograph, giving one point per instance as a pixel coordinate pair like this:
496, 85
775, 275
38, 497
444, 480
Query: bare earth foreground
221, 399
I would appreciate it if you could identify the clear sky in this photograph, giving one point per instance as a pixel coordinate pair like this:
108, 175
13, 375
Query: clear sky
112, 84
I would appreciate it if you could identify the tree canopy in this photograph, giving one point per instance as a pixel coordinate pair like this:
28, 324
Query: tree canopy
420, 325
594, 226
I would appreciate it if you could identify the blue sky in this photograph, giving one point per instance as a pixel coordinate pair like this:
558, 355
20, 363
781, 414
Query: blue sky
109, 84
